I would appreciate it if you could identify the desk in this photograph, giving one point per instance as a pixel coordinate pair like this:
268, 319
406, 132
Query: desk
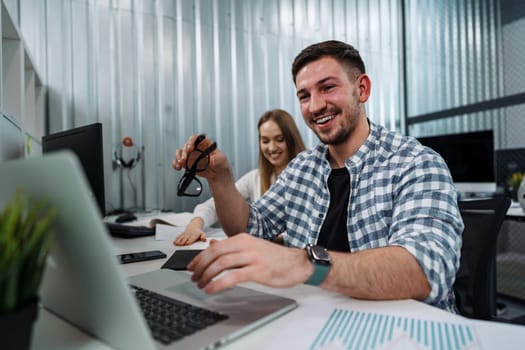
285, 332
516, 212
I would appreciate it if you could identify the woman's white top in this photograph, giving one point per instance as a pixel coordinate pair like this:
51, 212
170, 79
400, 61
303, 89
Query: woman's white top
249, 185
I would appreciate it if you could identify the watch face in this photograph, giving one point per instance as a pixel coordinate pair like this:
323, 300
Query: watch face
320, 253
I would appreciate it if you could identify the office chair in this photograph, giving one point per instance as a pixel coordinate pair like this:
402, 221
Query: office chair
475, 285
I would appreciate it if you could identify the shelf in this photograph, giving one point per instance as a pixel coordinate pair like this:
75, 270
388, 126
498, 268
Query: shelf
12, 77
11, 138
22, 94
9, 30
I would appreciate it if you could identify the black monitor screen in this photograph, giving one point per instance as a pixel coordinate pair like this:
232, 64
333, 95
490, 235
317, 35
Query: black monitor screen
87, 143
469, 156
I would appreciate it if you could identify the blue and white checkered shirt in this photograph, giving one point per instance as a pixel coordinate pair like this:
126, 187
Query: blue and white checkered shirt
401, 194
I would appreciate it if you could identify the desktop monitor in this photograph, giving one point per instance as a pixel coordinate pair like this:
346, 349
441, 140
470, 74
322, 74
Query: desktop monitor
470, 158
87, 143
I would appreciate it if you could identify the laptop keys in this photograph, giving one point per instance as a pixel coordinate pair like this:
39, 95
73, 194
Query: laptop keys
170, 319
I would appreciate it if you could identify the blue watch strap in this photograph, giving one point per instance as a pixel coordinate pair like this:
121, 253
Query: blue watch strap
319, 275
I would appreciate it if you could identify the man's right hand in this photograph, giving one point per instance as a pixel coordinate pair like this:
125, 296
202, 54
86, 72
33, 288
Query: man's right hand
218, 165
232, 209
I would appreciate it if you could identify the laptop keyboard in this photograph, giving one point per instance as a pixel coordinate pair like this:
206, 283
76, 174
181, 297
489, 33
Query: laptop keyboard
170, 319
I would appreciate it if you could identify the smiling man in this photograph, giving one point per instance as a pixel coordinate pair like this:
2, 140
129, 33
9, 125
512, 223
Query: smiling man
368, 213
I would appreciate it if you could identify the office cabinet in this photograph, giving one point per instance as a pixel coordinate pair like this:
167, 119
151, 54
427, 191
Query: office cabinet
22, 94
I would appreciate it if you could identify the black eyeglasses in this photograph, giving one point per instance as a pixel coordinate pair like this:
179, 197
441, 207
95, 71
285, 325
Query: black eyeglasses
189, 184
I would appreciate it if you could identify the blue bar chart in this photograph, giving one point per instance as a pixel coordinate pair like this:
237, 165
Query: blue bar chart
348, 329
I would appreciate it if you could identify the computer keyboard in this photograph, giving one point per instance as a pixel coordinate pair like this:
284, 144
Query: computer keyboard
170, 319
129, 231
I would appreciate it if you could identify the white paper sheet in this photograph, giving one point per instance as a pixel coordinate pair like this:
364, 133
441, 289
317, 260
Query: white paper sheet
167, 232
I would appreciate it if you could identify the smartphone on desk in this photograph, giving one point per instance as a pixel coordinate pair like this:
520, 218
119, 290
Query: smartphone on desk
140, 256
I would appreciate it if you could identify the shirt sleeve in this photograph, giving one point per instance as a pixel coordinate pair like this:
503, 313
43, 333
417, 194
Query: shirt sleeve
249, 187
206, 211
426, 221
267, 214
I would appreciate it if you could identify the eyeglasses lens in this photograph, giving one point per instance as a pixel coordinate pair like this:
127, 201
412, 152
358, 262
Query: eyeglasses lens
194, 188
197, 161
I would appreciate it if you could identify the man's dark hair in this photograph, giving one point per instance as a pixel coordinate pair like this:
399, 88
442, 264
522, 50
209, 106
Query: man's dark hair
344, 53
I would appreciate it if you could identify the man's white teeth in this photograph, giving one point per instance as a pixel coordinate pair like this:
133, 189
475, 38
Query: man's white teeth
324, 119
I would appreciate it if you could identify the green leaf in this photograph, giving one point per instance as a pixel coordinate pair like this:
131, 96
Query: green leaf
25, 241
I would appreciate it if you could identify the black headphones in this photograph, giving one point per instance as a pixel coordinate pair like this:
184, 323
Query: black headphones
119, 150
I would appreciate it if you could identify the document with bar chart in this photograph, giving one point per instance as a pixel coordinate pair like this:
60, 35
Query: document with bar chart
348, 329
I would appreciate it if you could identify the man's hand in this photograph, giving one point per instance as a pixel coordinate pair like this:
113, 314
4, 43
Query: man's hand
232, 209
218, 161
249, 259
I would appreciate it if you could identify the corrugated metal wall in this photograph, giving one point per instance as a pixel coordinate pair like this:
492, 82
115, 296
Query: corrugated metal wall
454, 59
467, 55
161, 70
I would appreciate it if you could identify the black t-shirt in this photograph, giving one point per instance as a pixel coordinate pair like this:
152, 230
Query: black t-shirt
333, 234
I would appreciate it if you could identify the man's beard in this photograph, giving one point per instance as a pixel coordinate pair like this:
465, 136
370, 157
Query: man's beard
339, 138
343, 134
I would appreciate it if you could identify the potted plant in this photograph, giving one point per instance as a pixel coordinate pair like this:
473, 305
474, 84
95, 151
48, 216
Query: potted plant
514, 182
25, 240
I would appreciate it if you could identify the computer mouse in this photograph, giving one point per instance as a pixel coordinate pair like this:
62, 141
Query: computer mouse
125, 218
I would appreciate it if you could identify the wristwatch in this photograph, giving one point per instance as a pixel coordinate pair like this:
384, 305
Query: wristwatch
319, 257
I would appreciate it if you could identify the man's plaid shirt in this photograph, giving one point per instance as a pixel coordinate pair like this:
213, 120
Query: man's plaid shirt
401, 194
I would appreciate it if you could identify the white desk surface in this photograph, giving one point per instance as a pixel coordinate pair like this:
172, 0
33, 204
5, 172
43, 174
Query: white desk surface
288, 331
515, 210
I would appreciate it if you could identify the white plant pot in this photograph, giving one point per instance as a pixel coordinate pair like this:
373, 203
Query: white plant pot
521, 195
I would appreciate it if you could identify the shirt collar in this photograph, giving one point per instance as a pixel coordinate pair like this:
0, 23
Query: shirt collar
364, 152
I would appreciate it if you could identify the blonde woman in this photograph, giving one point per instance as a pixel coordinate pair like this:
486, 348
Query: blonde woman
279, 142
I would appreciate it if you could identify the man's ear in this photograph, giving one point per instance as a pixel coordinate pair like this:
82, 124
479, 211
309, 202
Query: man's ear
364, 85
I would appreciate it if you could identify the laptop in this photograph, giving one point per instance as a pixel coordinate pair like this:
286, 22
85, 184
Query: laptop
84, 284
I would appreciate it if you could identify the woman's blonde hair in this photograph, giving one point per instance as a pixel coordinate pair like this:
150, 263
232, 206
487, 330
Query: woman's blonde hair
292, 137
